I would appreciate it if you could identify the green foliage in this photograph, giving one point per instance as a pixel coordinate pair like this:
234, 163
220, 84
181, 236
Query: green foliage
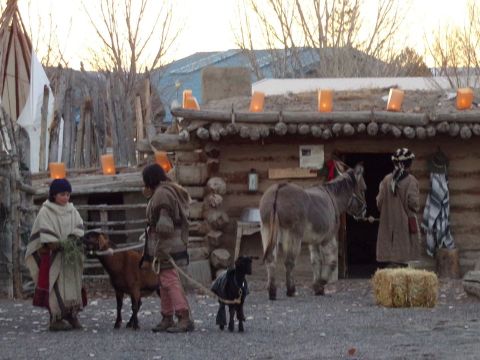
72, 250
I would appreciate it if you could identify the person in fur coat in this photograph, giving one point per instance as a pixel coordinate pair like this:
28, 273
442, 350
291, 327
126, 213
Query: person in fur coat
55, 259
166, 240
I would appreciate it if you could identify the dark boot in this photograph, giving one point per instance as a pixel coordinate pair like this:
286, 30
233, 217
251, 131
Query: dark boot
59, 325
184, 324
167, 322
73, 320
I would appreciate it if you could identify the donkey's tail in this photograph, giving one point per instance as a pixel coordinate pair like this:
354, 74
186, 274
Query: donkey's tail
272, 235
273, 226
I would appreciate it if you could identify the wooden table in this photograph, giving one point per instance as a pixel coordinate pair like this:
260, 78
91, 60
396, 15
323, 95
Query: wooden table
244, 228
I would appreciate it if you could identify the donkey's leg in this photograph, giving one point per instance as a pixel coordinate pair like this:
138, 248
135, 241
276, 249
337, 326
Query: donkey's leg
270, 262
291, 244
330, 257
316, 260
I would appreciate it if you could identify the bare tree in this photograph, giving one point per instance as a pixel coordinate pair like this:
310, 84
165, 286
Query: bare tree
341, 40
45, 41
135, 36
455, 50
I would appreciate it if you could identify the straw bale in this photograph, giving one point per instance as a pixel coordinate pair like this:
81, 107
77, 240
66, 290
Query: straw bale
405, 288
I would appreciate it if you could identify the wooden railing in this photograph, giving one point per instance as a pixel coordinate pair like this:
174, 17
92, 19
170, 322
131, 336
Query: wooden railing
93, 269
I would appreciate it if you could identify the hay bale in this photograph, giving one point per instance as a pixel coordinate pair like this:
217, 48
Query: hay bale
405, 288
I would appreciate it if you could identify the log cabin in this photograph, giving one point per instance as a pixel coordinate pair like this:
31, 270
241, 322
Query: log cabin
224, 140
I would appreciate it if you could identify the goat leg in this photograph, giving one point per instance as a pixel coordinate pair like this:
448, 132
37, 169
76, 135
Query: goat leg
231, 322
133, 322
119, 297
221, 319
240, 313
240, 317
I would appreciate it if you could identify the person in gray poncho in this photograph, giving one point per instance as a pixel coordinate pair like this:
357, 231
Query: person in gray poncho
56, 273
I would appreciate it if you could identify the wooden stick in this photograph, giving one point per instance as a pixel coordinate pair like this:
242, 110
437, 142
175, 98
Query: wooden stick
43, 128
139, 118
87, 130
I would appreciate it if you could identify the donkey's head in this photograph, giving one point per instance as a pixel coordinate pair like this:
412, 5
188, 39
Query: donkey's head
95, 240
357, 205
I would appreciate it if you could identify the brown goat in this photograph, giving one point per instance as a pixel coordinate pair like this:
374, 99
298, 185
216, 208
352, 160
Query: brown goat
125, 275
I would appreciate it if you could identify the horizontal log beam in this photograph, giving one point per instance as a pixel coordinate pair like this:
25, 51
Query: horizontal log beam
400, 118
166, 142
115, 223
466, 116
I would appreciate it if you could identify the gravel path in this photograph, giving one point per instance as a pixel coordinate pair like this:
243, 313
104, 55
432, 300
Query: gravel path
345, 324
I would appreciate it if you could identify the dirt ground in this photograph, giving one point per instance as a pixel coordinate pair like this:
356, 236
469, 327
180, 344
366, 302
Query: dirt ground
344, 324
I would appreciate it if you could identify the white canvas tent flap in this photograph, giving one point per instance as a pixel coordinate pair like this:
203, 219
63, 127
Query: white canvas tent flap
30, 116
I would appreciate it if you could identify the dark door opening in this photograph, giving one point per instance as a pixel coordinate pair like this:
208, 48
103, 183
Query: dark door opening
361, 237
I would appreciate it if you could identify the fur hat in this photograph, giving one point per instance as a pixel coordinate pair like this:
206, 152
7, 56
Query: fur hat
58, 186
402, 154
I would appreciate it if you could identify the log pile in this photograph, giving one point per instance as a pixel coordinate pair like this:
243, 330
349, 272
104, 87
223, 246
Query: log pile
214, 212
195, 171
213, 125
191, 172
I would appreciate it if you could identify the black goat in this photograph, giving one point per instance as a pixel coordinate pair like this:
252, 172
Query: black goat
232, 286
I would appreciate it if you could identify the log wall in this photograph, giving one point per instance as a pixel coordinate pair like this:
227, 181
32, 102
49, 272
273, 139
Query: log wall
239, 156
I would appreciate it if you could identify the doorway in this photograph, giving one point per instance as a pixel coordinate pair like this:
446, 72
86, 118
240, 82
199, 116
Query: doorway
361, 236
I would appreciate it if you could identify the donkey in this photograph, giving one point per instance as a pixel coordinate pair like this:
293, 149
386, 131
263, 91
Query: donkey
290, 214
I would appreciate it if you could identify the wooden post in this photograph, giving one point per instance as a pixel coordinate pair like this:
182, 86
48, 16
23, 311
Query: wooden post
14, 211
139, 117
104, 219
111, 117
149, 128
54, 138
79, 143
87, 138
58, 104
68, 131
43, 129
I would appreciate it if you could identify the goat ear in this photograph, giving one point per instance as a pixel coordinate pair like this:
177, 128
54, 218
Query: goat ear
94, 232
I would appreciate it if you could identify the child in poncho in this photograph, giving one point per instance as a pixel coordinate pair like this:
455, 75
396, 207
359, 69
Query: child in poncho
54, 259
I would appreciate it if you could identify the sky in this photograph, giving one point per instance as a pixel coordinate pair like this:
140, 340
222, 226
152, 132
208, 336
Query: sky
207, 24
